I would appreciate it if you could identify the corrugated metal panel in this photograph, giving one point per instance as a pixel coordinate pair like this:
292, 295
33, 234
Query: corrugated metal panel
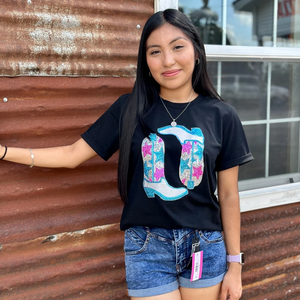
80, 265
271, 242
43, 112
71, 37
89, 264
74, 38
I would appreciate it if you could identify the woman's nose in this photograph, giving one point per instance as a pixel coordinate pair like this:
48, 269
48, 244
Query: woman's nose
168, 59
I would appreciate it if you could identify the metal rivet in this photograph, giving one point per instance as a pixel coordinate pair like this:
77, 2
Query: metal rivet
138, 26
5, 100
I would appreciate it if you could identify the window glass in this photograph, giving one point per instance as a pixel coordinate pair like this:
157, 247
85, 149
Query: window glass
248, 22
271, 127
256, 136
243, 85
258, 15
212, 70
207, 17
284, 148
285, 90
288, 23
242, 22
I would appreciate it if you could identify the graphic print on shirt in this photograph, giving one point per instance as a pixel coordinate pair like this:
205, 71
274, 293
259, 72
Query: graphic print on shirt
153, 153
191, 161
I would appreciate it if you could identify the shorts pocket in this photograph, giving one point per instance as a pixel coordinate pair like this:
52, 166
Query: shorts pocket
136, 240
211, 237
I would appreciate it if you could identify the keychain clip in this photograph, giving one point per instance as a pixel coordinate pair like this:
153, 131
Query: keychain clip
195, 248
196, 259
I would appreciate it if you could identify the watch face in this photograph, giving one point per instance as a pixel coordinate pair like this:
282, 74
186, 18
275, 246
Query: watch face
242, 258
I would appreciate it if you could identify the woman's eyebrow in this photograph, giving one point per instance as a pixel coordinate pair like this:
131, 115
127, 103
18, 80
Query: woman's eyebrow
179, 38
176, 39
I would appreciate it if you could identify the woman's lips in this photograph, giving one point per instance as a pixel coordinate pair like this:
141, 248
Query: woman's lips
170, 73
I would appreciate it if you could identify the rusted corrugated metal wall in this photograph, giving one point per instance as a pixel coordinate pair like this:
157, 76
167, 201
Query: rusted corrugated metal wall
58, 228
62, 64
271, 243
71, 37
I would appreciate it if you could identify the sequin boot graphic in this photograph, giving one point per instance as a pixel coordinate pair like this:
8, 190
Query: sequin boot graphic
155, 183
191, 162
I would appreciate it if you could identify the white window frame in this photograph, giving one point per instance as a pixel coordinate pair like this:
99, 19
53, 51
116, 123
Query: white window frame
261, 197
250, 53
160, 5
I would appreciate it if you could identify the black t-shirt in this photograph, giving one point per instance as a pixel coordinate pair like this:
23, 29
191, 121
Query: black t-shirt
174, 168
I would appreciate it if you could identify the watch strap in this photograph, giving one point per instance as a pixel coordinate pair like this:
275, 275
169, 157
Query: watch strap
236, 258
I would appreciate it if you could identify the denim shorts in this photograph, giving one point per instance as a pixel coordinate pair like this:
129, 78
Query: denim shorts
156, 259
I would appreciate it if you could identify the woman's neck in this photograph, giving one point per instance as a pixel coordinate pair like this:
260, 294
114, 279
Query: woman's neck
178, 97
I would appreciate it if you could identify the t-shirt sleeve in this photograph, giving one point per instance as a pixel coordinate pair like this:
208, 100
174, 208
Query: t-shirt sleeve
103, 135
234, 150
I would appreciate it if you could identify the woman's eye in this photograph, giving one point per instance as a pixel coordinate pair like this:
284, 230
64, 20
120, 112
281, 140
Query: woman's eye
154, 52
178, 47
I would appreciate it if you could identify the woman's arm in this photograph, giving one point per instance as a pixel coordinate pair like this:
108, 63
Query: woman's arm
231, 220
57, 157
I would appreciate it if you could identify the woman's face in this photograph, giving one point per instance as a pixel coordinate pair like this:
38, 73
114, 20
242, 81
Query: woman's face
171, 58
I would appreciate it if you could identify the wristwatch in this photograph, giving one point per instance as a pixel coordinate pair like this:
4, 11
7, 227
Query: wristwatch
236, 258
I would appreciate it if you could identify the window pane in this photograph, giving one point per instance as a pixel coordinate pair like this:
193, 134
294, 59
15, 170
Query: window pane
243, 85
242, 22
288, 27
212, 69
285, 90
206, 15
256, 136
284, 148
259, 17
249, 22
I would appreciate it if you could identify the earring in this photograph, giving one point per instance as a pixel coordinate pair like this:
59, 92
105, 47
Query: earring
150, 75
197, 62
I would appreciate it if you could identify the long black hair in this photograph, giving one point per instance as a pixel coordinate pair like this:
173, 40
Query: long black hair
146, 89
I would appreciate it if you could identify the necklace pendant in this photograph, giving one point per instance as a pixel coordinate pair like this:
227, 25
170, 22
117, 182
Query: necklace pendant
173, 124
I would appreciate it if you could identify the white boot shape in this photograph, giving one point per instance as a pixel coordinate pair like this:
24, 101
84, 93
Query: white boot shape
155, 183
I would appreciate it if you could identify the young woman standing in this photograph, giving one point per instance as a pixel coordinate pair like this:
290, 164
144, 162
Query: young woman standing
178, 142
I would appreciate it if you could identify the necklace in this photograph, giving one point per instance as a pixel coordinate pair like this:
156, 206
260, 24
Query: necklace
173, 123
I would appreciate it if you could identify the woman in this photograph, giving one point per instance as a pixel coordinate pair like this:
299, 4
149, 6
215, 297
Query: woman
174, 133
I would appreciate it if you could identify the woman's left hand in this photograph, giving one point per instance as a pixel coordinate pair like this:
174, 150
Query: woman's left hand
232, 283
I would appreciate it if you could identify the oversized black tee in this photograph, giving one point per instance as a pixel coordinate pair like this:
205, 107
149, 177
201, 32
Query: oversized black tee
173, 169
